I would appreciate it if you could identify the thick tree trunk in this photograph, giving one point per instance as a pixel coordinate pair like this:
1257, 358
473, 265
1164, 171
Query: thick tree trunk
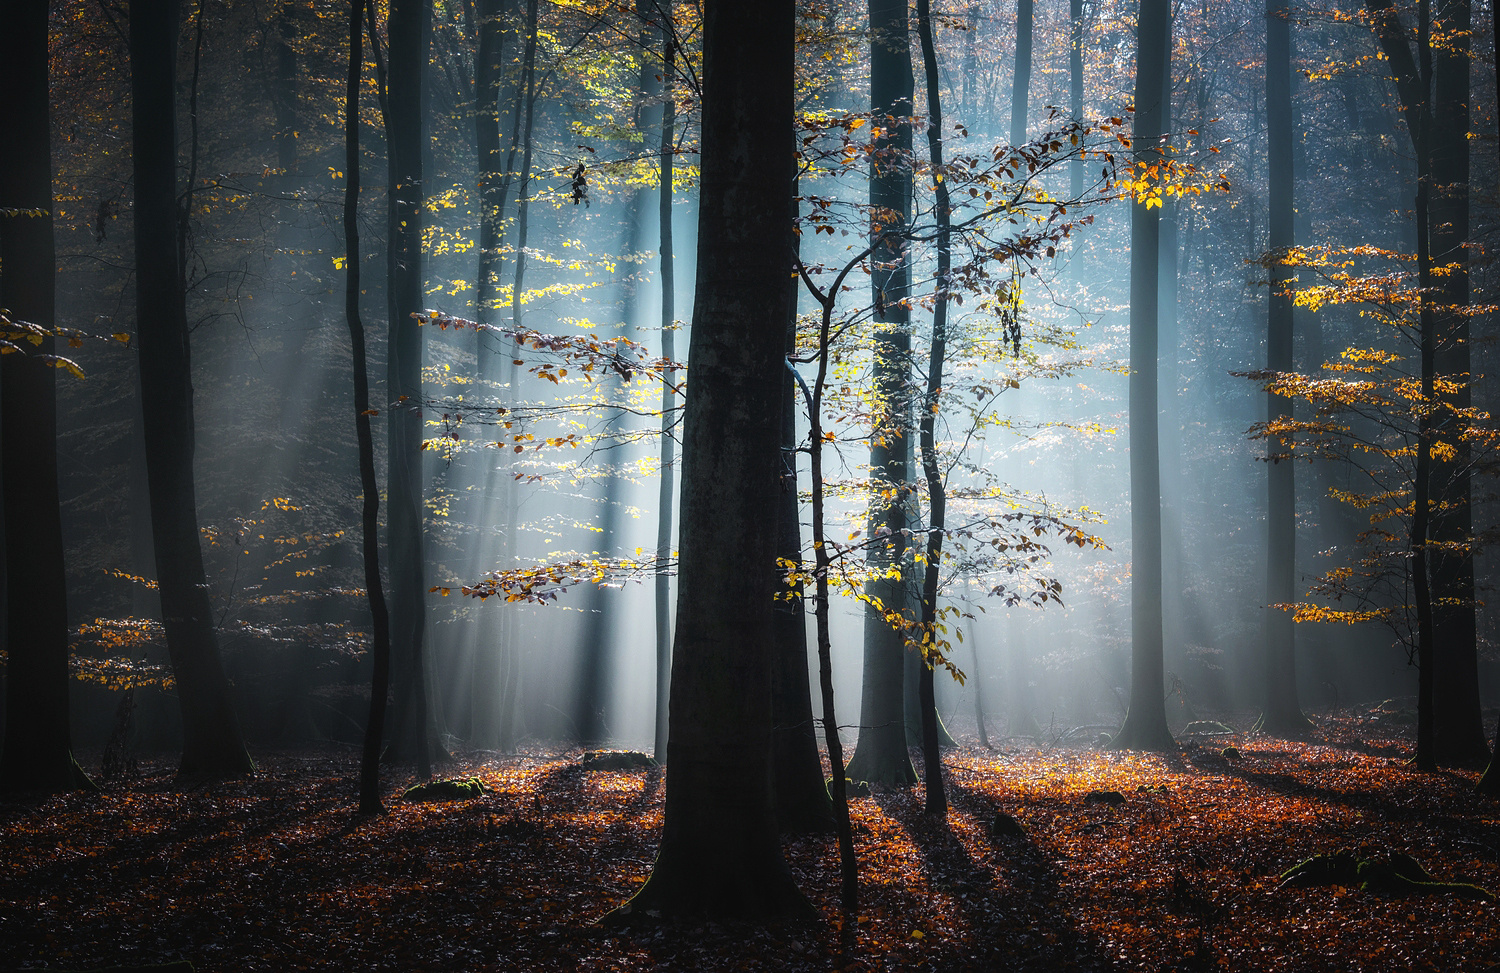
880, 754
1458, 731
38, 756
1282, 715
720, 854
211, 738
409, 28
1145, 726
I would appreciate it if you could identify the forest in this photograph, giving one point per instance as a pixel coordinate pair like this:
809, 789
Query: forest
792, 485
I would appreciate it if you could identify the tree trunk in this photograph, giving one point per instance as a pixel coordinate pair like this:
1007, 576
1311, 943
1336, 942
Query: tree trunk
1458, 732
802, 803
1075, 89
720, 854
369, 777
1021, 83
212, 745
409, 31
932, 764
1145, 726
666, 493
1282, 715
880, 754
491, 650
38, 755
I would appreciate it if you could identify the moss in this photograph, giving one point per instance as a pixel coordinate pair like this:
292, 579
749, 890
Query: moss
457, 789
615, 760
1377, 870
852, 788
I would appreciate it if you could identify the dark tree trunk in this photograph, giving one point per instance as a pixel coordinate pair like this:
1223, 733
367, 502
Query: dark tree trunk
38, 755
666, 493
720, 854
802, 802
1282, 715
932, 765
880, 754
1145, 726
409, 31
1458, 731
369, 777
1442, 228
211, 738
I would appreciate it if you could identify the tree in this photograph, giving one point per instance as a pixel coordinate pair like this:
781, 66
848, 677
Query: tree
936, 797
212, 745
666, 493
880, 753
1145, 726
409, 29
38, 753
1282, 715
720, 854
369, 777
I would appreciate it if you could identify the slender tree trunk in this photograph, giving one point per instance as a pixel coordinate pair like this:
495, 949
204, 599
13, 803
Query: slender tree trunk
802, 803
380, 681
720, 854
1075, 88
1145, 726
1020, 91
880, 755
936, 794
212, 745
978, 680
666, 493
409, 28
839, 789
38, 754
1282, 715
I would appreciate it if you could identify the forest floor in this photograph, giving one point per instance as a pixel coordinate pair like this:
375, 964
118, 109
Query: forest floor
278, 872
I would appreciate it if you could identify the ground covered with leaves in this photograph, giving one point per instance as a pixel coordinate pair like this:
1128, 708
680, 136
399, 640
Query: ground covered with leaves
1125, 862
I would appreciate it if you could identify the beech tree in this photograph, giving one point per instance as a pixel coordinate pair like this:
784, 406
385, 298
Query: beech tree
211, 744
1145, 726
37, 750
720, 854
880, 754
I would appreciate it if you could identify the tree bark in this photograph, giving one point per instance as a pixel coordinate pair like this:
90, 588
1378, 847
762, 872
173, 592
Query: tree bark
1145, 726
880, 755
212, 745
1020, 90
666, 491
720, 854
1458, 732
1282, 715
409, 33
380, 648
802, 802
936, 801
38, 754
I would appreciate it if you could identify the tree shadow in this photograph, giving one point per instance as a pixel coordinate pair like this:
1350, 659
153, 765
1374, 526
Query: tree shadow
1010, 899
